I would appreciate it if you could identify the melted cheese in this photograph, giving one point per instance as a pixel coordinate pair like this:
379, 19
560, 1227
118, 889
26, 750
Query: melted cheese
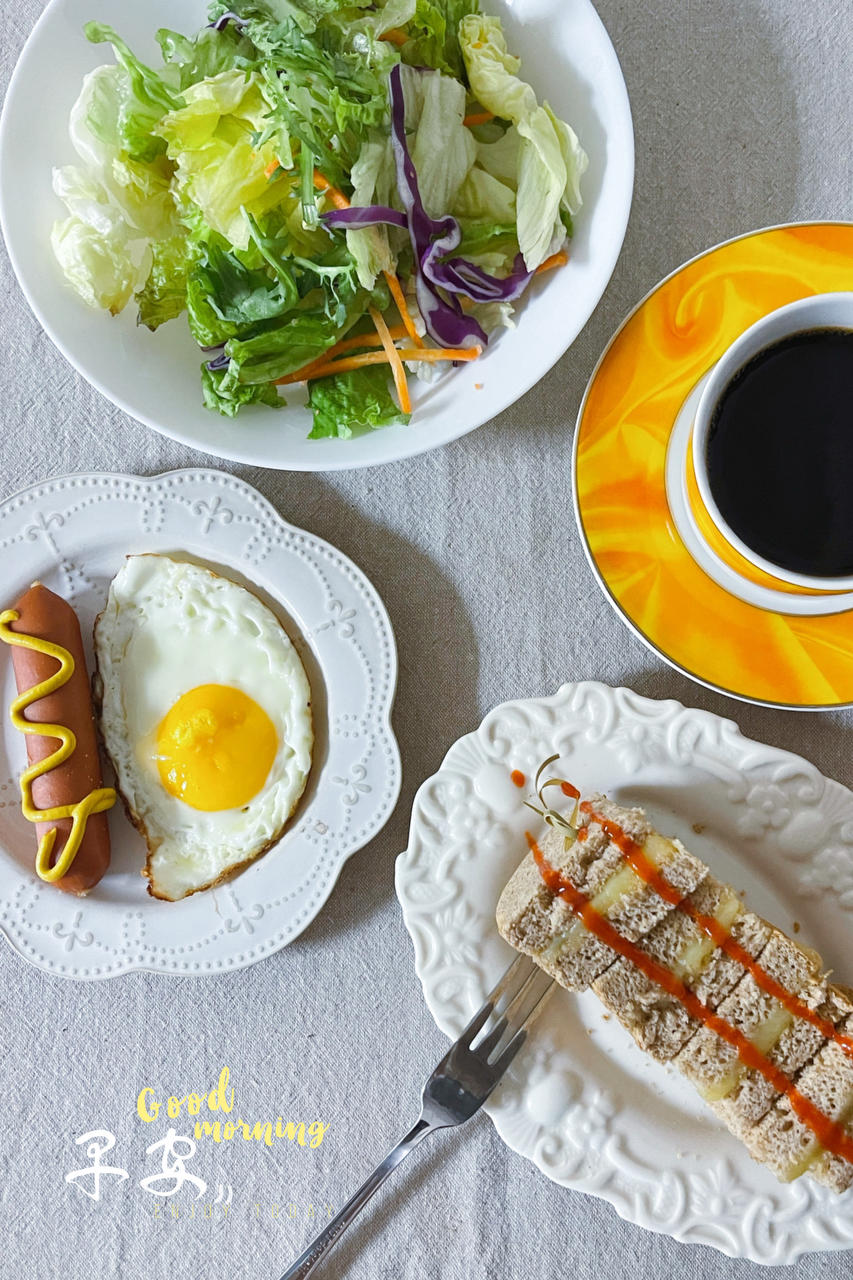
624, 883
694, 958
765, 1038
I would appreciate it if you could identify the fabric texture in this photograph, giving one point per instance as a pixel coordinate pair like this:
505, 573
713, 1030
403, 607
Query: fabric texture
742, 112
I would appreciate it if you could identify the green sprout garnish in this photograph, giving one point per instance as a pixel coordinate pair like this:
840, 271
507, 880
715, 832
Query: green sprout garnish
552, 816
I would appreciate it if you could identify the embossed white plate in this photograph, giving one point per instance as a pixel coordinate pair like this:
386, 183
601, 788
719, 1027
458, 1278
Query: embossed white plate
581, 1100
567, 56
72, 534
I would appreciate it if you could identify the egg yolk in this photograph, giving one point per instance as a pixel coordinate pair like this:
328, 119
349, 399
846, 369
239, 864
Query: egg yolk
215, 748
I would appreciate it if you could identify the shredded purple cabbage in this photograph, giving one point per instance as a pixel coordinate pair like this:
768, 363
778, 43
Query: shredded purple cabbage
221, 23
434, 241
431, 238
458, 275
221, 362
368, 216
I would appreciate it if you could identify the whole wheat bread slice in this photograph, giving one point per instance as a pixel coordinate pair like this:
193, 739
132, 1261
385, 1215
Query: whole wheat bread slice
659, 1022
754, 1095
785, 1143
710, 1061
536, 922
533, 920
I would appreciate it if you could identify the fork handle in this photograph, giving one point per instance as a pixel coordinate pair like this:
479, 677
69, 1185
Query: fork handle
307, 1261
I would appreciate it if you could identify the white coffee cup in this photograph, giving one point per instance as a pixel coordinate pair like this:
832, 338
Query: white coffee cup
820, 311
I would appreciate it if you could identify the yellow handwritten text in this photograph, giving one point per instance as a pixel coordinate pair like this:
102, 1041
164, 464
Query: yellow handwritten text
310, 1135
220, 1101
220, 1098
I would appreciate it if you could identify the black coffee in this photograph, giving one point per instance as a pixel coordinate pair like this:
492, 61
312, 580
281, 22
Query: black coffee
780, 453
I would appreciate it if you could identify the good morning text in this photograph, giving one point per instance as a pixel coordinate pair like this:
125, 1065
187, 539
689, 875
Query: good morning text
219, 1102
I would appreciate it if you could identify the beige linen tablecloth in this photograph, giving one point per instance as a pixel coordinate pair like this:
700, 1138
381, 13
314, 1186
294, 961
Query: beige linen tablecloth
743, 112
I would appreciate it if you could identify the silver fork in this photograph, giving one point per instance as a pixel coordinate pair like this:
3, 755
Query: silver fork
457, 1088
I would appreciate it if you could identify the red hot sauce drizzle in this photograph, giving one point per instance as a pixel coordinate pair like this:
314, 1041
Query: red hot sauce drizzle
719, 935
831, 1136
518, 777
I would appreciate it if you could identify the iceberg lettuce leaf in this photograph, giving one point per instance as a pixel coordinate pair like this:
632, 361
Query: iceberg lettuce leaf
117, 204
373, 181
212, 141
542, 180
550, 159
100, 267
443, 150
150, 95
485, 197
501, 157
576, 162
164, 294
139, 190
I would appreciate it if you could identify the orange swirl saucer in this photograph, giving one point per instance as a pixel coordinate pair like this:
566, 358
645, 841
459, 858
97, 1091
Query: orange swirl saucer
696, 618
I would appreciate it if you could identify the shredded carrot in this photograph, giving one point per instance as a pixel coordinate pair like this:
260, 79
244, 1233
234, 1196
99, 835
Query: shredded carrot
346, 344
271, 168
349, 363
394, 360
366, 340
433, 354
478, 117
397, 294
395, 36
337, 197
556, 260
303, 374
340, 201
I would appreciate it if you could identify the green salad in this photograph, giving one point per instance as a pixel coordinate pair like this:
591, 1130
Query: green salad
336, 192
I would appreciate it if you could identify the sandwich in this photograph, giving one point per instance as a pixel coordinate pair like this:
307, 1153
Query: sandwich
604, 902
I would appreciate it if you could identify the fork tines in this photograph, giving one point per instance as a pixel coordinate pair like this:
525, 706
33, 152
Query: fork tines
508, 1010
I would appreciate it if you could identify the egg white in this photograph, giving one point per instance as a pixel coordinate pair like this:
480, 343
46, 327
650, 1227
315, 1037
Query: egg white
168, 627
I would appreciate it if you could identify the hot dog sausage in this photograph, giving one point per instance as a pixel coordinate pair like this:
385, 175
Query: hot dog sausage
47, 617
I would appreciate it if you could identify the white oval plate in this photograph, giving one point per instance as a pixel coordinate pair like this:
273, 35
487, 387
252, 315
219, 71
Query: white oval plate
568, 57
581, 1100
73, 534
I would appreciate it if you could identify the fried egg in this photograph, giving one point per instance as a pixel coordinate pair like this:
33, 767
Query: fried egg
205, 712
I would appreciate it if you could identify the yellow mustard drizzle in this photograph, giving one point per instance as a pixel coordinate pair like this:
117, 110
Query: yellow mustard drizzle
96, 802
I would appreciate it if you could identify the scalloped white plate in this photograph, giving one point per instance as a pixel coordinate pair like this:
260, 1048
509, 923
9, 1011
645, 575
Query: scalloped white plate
73, 534
581, 1100
567, 56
